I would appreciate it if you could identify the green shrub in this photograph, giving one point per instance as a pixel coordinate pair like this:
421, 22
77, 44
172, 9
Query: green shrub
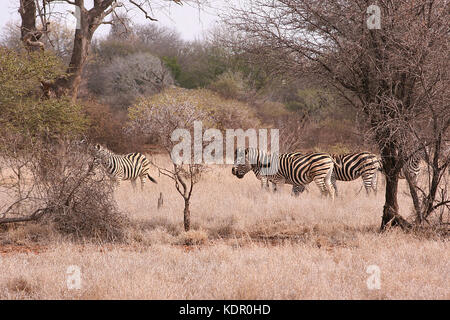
21, 74
23, 110
229, 85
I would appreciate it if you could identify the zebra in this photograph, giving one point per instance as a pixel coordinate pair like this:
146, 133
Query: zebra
412, 165
292, 168
125, 167
296, 189
351, 166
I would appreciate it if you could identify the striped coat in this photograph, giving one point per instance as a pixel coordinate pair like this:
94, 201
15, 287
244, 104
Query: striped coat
351, 166
412, 165
291, 168
125, 167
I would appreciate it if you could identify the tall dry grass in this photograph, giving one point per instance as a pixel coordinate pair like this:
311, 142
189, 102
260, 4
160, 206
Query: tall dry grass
245, 244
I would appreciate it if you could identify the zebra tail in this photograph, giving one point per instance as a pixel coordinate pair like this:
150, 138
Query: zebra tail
151, 179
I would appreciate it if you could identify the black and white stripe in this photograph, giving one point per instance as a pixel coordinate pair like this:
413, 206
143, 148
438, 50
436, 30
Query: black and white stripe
351, 166
125, 167
412, 165
296, 189
291, 168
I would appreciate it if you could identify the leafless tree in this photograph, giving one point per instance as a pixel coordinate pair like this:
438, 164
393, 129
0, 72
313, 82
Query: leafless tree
393, 76
161, 40
160, 116
127, 78
57, 39
88, 22
58, 184
292, 128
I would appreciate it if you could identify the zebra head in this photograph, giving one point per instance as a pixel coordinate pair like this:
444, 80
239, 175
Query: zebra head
241, 163
100, 152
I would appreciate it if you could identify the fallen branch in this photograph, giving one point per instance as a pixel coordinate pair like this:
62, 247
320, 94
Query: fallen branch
36, 215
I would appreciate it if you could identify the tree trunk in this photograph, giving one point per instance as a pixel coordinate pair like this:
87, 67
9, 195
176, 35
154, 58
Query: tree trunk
28, 31
390, 210
187, 215
68, 84
414, 196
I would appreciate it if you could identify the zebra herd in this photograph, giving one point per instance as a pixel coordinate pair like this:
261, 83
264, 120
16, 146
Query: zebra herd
300, 169
296, 168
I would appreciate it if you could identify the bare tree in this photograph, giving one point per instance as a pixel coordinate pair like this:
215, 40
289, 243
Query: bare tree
389, 74
161, 116
58, 184
291, 129
88, 22
161, 40
29, 33
127, 78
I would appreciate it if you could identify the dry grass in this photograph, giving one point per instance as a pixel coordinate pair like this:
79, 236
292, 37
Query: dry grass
245, 244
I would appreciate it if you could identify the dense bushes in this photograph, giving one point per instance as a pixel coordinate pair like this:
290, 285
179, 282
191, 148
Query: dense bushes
23, 110
216, 111
106, 126
78, 195
51, 178
230, 85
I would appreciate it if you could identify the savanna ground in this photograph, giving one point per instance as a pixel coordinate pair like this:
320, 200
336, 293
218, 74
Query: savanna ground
245, 244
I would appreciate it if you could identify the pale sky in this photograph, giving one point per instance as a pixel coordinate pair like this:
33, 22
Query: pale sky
190, 21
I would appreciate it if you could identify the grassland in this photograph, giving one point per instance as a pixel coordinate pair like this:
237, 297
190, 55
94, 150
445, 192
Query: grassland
245, 244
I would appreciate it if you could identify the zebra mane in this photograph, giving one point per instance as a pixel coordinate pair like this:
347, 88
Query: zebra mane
103, 151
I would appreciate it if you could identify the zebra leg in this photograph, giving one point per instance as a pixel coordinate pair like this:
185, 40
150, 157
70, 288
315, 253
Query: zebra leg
265, 183
325, 185
142, 178
333, 182
320, 182
297, 189
274, 187
374, 182
133, 184
367, 183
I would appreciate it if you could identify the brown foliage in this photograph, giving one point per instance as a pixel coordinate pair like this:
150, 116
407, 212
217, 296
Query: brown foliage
60, 184
106, 127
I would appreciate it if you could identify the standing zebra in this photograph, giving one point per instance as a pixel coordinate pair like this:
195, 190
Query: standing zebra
292, 168
125, 167
351, 166
296, 189
413, 167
